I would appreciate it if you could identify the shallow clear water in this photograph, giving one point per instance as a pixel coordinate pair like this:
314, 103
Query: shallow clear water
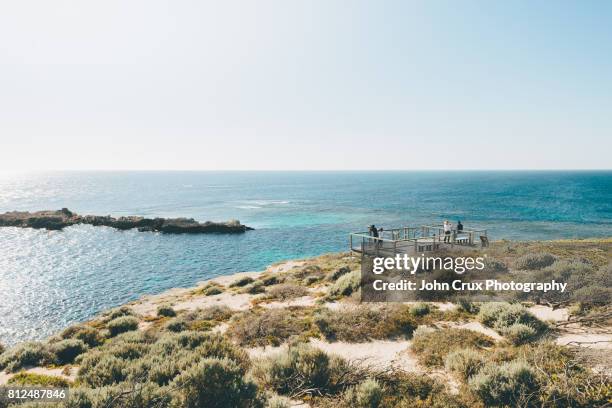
51, 279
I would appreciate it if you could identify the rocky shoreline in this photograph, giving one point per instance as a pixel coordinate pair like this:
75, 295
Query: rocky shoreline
58, 220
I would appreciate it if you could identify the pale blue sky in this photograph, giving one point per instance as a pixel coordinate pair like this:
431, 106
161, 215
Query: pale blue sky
305, 84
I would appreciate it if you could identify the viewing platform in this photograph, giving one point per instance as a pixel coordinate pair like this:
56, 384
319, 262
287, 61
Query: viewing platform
415, 240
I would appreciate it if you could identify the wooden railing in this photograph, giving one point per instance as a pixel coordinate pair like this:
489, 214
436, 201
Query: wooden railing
412, 240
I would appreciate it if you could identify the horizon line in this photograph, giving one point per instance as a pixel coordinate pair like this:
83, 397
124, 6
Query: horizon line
300, 170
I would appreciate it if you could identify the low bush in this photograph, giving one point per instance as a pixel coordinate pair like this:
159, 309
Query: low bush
212, 290
508, 384
287, 291
254, 288
165, 311
361, 324
40, 380
100, 369
270, 280
26, 355
311, 280
89, 335
565, 381
517, 313
271, 326
432, 346
297, 369
66, 351
215, 382
122, 325
520, 333
178, 324
368, 394
495, 265
466, 305
335, 275
420, 309
513, 321
118, 312
217, 313
346, 285
240, 282
534, 261
593, 296
489, 312
465, 362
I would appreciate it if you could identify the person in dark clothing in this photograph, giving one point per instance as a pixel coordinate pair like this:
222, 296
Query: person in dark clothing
373, 231
459, 226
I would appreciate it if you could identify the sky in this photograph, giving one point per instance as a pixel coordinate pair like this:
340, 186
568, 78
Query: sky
305, 85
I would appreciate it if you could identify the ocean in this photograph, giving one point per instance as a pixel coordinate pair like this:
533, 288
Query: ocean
50, 279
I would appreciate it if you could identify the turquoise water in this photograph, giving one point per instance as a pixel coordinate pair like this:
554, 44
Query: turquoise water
51, 279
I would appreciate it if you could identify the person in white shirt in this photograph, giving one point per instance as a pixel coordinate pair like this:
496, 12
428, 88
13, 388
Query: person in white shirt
447, 231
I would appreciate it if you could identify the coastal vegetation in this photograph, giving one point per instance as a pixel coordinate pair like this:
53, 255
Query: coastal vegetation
297, 333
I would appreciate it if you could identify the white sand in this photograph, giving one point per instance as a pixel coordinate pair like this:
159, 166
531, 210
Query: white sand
601, 341
378, 353
474, 326
303, 301
547, 313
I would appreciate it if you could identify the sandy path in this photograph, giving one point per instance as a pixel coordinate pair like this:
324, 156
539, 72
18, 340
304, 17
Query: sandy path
378, 353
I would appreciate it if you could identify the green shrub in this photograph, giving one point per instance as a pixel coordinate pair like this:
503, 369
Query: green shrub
495, 265
311, 280
122, 325
25, 355
215, 383
368, 394
346, 284
287, 291
339, 272
534, 261
66, 351
566, 382
255, 288
467, 306
165, 311
41, 380
240, 282
217, 313
89, 335
98, 369
489, 312
271, 326
212, 290
465, 362
432, 346
176, 325
123, 395
299, 368
118, 312
420, 309
2, 348
520, 333
517, 313
593, 295
361, 324
508, 384
270, 280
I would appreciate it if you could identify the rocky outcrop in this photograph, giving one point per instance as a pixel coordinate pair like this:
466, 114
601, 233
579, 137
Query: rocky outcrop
57, 220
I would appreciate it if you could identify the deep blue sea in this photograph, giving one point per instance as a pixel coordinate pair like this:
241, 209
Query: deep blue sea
51, 279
